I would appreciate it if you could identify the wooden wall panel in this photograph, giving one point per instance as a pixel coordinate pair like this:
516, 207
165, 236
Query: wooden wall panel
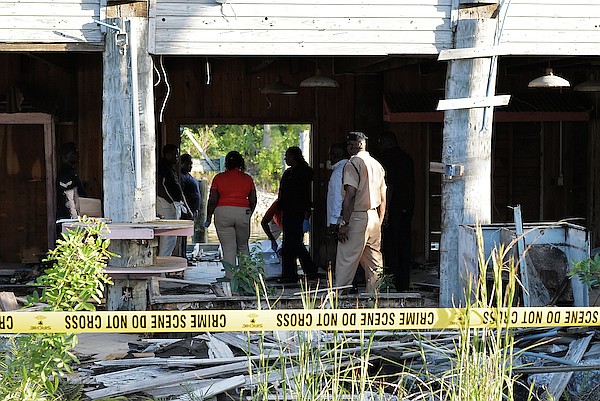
23, 218
89, 122
289, 27
59, 21
556, 27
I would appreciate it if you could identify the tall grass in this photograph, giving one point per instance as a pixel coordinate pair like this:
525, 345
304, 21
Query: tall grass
468, 364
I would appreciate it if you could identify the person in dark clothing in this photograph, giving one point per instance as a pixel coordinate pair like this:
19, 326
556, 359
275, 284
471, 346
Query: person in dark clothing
399, 169
170, 202
295, 202
191, 192
190, 185
68, 184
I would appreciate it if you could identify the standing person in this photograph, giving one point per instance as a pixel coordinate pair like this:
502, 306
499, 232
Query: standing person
363, 211
232, 200
170, 202
295, 202
191, 193
399, 170
338, 157
68, 184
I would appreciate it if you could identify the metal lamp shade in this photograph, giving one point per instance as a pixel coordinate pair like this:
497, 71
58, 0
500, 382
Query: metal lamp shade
319, 81
279, 88
549, 81
588, 86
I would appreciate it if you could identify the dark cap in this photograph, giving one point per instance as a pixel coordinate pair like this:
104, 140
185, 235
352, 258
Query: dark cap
356, 136
68, 147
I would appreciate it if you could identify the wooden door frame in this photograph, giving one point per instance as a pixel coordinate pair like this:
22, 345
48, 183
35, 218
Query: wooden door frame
47, 120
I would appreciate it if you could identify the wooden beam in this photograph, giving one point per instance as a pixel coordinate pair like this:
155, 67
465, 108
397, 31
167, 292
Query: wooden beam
499, 116
472, 52
51, 47
467, 141
237, 367
473, 102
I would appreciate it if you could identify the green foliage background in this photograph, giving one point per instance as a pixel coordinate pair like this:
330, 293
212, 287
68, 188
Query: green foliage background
262, 150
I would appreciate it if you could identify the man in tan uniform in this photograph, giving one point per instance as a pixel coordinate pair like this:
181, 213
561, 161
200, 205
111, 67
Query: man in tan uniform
363, 210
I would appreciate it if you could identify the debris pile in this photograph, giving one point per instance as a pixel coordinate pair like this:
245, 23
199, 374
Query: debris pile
288, 364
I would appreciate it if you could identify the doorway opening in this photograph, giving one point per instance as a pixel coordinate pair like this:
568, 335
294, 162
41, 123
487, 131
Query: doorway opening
263, 147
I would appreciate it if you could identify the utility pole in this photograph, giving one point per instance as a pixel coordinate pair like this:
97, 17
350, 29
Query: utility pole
467, 137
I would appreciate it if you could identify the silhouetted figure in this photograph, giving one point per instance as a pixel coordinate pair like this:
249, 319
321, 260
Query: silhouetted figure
295, 202
399, 168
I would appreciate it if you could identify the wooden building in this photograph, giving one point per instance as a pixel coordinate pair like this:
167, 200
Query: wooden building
66, 68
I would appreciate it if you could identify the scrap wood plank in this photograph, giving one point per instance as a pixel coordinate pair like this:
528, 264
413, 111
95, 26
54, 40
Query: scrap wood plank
179, 388
8, 301
183, 362
243, 344
133, 375
214, 389
163, 381
559, 381
218, 348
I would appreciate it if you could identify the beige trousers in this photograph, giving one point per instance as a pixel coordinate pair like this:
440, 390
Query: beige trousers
362, 246
233, 229
166, 244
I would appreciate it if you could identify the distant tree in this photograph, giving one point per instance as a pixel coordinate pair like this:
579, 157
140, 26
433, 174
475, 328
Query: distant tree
263, 151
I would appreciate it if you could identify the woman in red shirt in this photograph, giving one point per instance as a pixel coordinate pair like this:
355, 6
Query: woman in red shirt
232, 200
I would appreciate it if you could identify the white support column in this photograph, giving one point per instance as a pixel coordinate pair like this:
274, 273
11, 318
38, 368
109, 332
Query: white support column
129, 137
467, 140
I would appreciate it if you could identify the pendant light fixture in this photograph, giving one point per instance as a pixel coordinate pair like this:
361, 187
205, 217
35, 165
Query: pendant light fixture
549, 80
279, 88
319, 81
591, 85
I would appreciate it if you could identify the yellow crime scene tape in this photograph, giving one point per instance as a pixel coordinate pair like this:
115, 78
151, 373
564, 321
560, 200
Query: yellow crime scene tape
295, 319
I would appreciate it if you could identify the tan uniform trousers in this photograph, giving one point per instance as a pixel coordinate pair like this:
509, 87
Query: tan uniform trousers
233, 229
362, 246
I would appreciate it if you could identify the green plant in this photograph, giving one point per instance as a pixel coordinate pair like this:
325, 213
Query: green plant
245, 276
588, 270
76, 275
483, 362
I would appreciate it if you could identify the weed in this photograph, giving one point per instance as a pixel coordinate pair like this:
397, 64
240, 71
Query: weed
35, 362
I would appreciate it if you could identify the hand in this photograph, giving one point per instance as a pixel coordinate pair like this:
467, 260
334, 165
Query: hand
332, 230
305, 226
343, 233
274, 245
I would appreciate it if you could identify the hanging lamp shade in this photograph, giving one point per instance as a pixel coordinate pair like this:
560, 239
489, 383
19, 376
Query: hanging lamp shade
319, 81
549, 80
592, 85
279, 88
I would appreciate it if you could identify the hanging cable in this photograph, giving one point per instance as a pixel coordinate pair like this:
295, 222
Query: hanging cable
208, 77
157, 72
164, 104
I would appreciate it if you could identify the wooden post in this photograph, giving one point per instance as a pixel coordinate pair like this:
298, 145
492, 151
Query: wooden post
467, 141
127, 199
129, 140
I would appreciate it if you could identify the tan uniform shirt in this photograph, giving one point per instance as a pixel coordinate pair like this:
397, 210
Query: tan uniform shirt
367, 175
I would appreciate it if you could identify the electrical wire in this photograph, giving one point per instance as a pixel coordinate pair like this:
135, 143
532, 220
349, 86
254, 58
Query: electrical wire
164, 104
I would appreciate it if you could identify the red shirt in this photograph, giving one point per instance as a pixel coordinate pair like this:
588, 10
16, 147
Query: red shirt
274, 214
233, 187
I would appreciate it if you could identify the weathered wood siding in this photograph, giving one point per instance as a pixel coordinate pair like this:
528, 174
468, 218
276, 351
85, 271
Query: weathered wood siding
361, 27
552, 27
299, 27
57, 21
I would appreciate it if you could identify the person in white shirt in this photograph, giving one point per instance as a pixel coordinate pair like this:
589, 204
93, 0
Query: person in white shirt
338, 157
